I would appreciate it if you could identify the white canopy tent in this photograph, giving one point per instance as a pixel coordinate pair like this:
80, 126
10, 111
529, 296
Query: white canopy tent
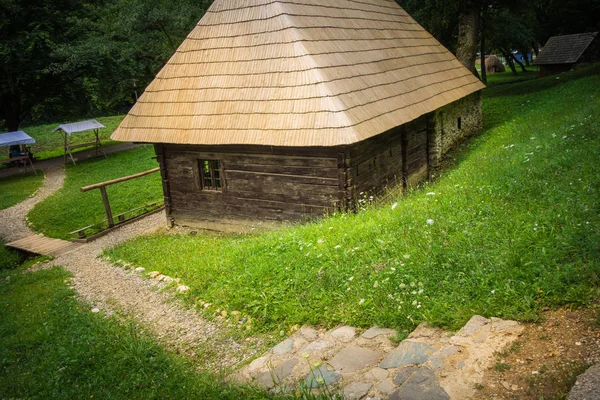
79, 127
17, 138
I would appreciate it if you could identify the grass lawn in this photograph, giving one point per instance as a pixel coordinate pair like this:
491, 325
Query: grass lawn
512, 227
15, 189
70, 209
500, 78
50, 144
53, 347
9, 259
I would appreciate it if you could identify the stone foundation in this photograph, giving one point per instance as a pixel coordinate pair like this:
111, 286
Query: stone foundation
451, 124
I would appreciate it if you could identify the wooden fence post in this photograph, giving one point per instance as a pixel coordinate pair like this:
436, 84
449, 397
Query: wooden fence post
109, 216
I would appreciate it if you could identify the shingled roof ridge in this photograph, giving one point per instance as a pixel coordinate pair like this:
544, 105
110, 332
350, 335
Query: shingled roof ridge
342, 117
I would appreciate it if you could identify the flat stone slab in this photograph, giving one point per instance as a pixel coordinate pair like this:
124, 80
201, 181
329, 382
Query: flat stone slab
403, 375
284, 347
587, 386
308, 333
344, 334
385, 387
475, 323
408, 353
353, 358
421, 385
377, 374
438, 360
356, 390
269, 379
377, 331
317, 345
322, 376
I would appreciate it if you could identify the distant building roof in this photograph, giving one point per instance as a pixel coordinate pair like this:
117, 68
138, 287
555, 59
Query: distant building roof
77, 127
566, 49
297, 73
15, 138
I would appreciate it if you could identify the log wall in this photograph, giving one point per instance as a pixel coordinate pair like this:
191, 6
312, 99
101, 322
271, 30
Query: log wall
397, 157
261, 183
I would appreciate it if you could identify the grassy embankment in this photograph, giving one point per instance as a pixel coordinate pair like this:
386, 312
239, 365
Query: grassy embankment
15, 189
512, 227
69, 209
53, 347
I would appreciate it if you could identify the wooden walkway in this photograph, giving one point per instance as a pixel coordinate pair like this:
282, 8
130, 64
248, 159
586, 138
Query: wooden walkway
42, 245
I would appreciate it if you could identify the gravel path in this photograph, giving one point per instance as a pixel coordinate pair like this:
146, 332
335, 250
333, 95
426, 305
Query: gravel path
13, 225
111, 288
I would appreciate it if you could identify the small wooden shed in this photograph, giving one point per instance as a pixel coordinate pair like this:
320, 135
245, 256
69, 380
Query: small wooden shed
290, 109
562, 53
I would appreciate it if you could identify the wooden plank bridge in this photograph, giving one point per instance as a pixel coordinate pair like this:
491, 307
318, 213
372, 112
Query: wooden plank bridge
43, 245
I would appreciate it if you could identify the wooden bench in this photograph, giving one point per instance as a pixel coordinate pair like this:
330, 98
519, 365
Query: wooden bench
25, 159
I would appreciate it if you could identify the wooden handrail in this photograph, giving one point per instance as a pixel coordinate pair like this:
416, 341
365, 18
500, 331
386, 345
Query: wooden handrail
122, 179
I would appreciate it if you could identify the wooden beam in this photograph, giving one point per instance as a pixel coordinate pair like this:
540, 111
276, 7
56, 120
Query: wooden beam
122, 179
109, 217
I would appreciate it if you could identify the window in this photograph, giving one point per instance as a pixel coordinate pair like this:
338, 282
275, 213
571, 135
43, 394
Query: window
210, 174
459, 123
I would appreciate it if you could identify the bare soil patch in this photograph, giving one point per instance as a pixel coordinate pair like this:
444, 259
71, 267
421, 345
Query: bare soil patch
547, 358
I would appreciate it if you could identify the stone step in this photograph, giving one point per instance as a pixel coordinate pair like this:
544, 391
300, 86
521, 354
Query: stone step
429, 364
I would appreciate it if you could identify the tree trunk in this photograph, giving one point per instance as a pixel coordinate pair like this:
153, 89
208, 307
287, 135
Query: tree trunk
536, 49
518, 62
509, 60
525, 54
468, 33
482, 50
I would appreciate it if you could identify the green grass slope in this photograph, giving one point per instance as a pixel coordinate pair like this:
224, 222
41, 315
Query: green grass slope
53, 347
70, 209
512, 227
15, 189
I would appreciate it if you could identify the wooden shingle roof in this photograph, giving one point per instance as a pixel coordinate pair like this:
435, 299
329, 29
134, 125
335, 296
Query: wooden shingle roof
566, 49
297, 73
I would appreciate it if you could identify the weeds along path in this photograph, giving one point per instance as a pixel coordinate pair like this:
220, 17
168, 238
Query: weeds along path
14, 225
181, 329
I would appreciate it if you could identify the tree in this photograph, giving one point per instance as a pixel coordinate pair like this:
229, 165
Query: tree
69, 58
30, 31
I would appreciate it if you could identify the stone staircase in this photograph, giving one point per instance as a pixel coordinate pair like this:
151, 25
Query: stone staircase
430, 364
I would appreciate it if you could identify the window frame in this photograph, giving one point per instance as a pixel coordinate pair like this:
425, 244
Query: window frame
216, 181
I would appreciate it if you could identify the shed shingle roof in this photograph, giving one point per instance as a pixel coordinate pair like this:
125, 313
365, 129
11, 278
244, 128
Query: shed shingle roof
297, 73
565, 49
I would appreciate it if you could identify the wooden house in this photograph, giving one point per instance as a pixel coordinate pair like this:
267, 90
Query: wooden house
283, 110
562, 53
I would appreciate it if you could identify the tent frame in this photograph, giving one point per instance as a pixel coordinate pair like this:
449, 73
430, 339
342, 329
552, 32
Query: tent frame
68, 148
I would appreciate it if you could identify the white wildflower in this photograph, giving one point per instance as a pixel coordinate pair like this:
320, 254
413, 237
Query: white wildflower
351, 278
393, 269
419, 306
431, 194
394, 205
337, 247
362, 301
429, 221
414, 303
320, 241
493, 291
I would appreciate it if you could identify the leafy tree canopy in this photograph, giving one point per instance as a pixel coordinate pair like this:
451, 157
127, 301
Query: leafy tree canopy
68, 58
